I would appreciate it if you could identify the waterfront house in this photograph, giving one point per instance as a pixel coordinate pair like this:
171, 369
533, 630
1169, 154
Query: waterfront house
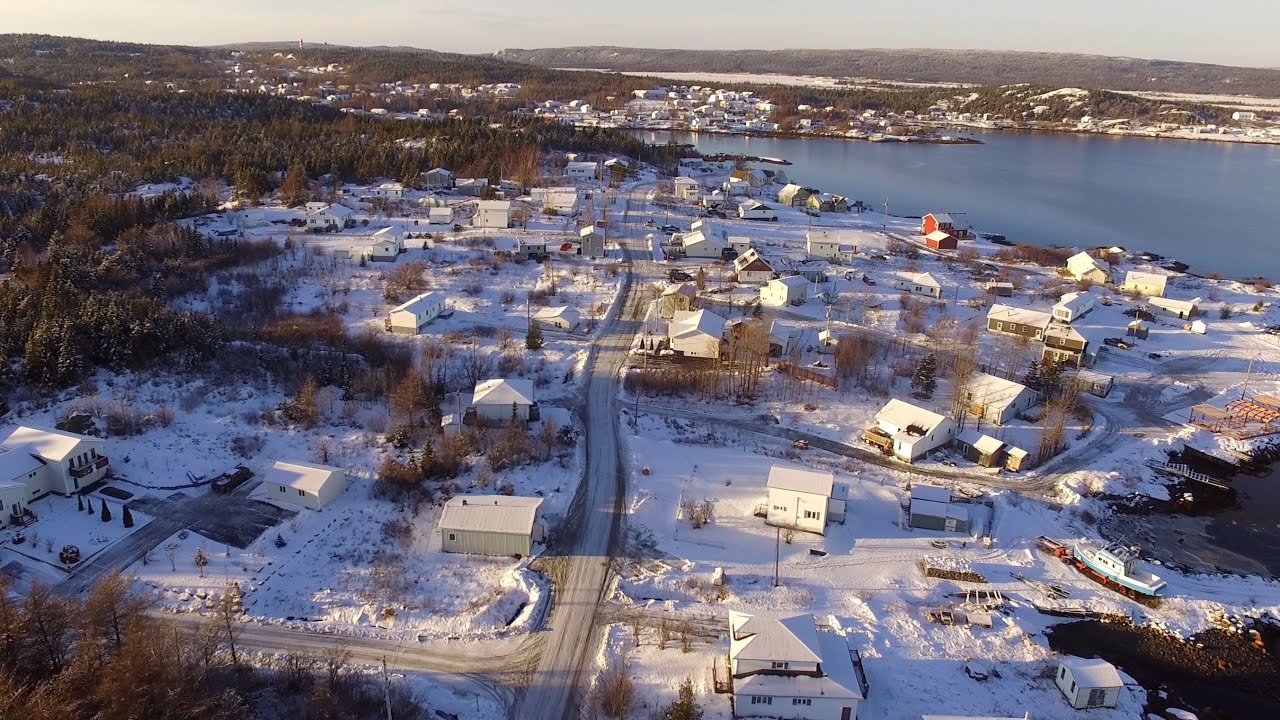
794, 195
909, 432
1144, 283
754, 210
1082, 267
687, 189
1010, 320
940, 240
1181, 309
954, 224
1065, 345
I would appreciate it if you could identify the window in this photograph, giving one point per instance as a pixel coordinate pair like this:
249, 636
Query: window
812, 514
999, 326
1097, 697
1062, 672
1073, 687
301, 493
761, 700
801, 701
452, 536
282, 488
781, 665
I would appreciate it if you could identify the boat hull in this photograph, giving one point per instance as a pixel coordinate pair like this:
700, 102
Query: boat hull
1142, 588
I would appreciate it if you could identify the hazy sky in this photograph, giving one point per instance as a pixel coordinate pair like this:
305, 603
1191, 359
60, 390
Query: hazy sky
1236, 32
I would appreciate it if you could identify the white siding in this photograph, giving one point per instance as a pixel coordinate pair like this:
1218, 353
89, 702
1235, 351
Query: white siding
804, 511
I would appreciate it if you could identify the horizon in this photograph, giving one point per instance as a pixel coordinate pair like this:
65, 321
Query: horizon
1224, 38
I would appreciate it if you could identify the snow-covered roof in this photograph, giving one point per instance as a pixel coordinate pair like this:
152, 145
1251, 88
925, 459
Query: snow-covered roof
1092, 672
937, 235
987, 445
17, 461
902, 415
687, 324
495, 205
749, 258
582, 165
1175, 305
792, 639
697, 237
822, 236
336, 210
552, 313
685, 181
791, 281
588, 231
923, 278
440, 212
992, 390
437, 171
687, 289
1077, 299
813, 482
53, 445
1064, 331
959, 221
500, 391
1081, 263
307, 477
931, 493
417, 304
1022, 316
769, 638
1137, 277
491, 513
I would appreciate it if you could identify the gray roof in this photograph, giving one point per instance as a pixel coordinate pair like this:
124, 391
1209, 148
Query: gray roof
500, 391
491, 513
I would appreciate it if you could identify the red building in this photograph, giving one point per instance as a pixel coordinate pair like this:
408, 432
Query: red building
954, 224
940, 240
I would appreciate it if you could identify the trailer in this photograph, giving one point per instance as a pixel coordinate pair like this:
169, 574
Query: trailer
228, 482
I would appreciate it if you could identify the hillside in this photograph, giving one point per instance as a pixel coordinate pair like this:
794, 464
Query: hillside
979, 67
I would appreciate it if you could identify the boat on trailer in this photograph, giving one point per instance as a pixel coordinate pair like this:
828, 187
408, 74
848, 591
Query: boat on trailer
1119, 564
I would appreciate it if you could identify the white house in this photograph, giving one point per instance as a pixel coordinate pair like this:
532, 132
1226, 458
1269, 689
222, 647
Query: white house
495, 214
922, 284
499, 400
303, 484
382, 246
1144, 283
698, 244
591, 241
408, 318
45, 461
1073, 306
563, 203
328, 218
388, 191
784, 291
739, 244
561, 318
755, 210
804, 499
531, 246
996, 399
695, 333
751, 268
790, 667
498, 525
440, 216
826, 245
437, 178
1088, 683
687, 189
913, 431
930, 508
582, 170
1083, 266
1181, 309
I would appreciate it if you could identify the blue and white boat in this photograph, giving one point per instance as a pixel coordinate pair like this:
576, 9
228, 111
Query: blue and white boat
1119, 564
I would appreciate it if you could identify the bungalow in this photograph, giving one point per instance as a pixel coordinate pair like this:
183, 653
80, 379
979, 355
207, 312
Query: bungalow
561, 318
804, 499
784, 291
329, 218
795, 195
582, 170
918, 284
1094, 383
699, 244
388, 191
410, 317
954, 224
930, 508
754, 210
790, 667
498, 525
826, 245
1010, 320
815, 271
696, 333
909, 432
736, 187
737, 243
440, 216
999, 289
1144, 283
35, 462
303, 484
591, 241
997, 400
502, 400
437, 178
1181, 309
940, 240
751, 176
751, 268
561, 203
1073, 306
687, 189
474, 187
1082, 267
385, 245
493, 214
828, 342
531, 247
1088, 683
984, 450
677, 297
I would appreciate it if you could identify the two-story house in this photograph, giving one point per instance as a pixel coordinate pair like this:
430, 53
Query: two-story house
790, 667
1010, 320
1065, 345
909, 432
35, 462
804, 499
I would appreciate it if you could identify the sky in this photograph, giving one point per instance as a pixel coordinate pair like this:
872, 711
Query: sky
1231, 32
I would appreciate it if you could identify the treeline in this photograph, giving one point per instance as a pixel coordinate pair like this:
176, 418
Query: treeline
67, 60
103, 658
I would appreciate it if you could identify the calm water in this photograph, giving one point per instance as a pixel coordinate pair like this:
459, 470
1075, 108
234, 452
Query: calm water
1208, 204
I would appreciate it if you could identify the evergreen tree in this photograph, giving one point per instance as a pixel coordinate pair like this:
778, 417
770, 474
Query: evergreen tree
106, 512
127, 517
534, 341
925, 378
685, 707
89, 505
80, 503
1034, 378
1052, 378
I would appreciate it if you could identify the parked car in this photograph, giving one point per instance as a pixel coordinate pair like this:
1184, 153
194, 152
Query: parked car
1117, 342
801, 444
868, 281
670, 229
1154, 356
679, 276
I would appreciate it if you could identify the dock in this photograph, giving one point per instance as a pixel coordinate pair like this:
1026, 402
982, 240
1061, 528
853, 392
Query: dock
1186, 472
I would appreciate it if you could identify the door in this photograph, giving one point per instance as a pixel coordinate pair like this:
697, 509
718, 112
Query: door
950, 525
846, 713
1097, 697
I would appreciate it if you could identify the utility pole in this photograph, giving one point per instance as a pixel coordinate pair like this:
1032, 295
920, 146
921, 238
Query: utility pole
777, 554
386, 687
1247, 375
885, 219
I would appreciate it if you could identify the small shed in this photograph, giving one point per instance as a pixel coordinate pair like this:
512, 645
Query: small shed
940, 240
303, 484
1000, 289
497, 525
1015, 459
982, 449
1094, 383
1088, 683
1137, 329
930, 508
440, 216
